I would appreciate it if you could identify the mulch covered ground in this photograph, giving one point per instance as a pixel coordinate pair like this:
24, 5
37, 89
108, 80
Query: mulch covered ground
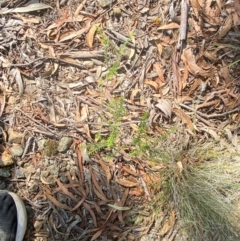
76, 74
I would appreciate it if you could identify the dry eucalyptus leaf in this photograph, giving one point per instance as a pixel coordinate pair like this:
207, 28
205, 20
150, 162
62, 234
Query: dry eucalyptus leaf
17, 76
126, 183
118, 207
169, 26
26, 9
91, 34
165, 106
2, 98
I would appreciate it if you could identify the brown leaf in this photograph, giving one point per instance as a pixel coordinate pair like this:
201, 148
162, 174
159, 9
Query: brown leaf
152, 83
91, 33
169, 26
126, 183
97, 234
106, 169
197, 82
65, 190
73, 34
98, 191
80, 7
134, 94
168, 224
196, 6
2, 98
158, 68
207, 104
91, 213
189, 60
17, 76
56, 202
165, 107
66, 19
226, 27
185, 118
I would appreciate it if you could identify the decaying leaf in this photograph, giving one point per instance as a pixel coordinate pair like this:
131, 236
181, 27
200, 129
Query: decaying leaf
226, 27
106, 169
168, 224
134, 94
185, 118
165, 106
126, 183
193, 68
17, 76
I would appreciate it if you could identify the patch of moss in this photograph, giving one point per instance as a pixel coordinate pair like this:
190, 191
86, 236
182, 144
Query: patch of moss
51, 147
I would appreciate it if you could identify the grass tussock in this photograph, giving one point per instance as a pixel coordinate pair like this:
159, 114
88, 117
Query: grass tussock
201, 185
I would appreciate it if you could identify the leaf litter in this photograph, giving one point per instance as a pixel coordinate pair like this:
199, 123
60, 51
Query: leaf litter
62, 65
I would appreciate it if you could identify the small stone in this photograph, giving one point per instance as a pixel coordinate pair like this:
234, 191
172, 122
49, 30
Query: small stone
19, 173
11, 100
16, 150
29, 170
4, 173
54, 170
89, 79
88, 64
2, 185
41, 144
33, 187
167, 53
64, 144
106, 3
45, 173
14, 136
6, 159
117, 11
38, 225
63, 178
62, 198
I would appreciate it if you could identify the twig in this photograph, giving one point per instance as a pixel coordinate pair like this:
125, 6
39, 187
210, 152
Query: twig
213, 115
29, 117
183, 24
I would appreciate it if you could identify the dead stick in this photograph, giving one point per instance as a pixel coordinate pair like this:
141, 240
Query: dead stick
213, 115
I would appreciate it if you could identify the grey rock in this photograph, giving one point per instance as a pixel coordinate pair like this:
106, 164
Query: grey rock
41, 144
14, 136
33, 187
62, 198
88, 64
4, 173
106, 3
2, 185
16, 150
54, 169
45, 173
64, 144
19, 173
63, 178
